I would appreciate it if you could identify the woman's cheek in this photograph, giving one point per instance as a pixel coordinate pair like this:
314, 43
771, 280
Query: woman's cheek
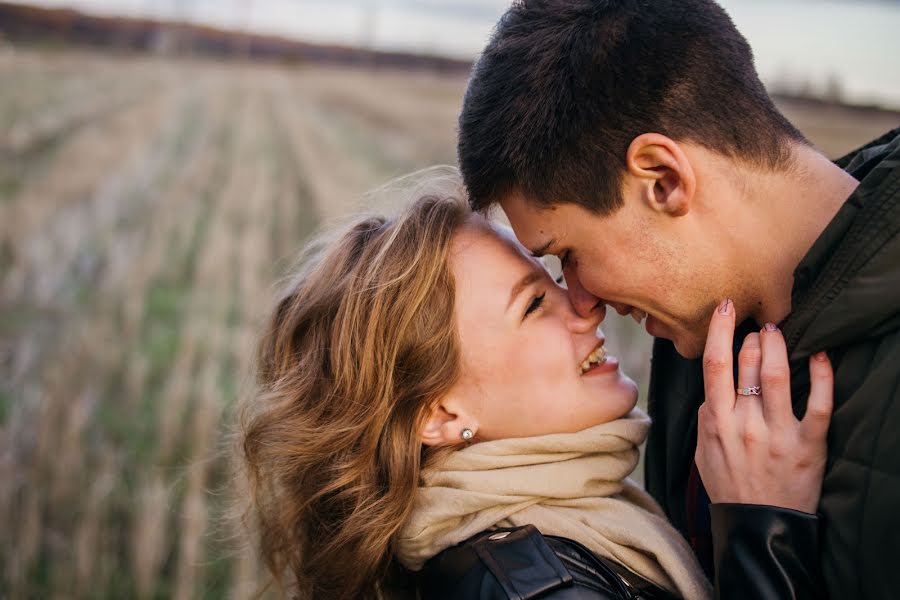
549, 349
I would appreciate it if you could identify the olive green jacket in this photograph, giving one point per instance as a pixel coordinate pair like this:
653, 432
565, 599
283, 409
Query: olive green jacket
845, 299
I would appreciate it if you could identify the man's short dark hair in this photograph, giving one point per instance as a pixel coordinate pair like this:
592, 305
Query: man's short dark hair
564, 86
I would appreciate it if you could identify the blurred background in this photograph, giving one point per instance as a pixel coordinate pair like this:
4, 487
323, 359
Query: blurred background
160, 163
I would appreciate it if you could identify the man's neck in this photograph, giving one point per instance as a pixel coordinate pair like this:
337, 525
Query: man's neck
791, 211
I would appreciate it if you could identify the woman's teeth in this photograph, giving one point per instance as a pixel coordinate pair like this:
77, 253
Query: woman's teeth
638, 315
597, 357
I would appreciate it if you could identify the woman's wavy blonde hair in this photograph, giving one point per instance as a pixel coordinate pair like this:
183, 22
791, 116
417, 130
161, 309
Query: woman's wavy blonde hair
359, 348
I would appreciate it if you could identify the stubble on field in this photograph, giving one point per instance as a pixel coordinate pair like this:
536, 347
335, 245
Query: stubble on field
147, 210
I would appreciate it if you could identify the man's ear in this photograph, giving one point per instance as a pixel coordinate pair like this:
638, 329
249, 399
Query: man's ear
445, 423
662, 173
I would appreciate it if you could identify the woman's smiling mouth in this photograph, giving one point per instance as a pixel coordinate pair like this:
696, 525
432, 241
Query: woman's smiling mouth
596, 358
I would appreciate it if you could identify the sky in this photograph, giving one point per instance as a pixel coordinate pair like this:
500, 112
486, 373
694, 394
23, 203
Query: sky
814, 41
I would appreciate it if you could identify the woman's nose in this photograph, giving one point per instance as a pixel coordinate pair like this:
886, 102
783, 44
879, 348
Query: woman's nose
581, 325
585, 304
587, 323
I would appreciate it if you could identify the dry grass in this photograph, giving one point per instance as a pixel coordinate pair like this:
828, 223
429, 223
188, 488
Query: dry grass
146, 208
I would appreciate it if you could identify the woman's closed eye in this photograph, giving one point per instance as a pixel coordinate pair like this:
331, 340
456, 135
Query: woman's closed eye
535, 304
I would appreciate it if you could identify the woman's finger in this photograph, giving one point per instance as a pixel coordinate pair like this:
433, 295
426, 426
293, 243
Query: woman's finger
821, 398
718, 377
749, 362
775, 375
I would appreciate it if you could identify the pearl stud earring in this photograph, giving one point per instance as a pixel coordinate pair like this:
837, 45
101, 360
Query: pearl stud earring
467, 434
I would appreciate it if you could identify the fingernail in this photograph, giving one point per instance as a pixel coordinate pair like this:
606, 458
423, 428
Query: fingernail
771, 327
725, 307
820, 356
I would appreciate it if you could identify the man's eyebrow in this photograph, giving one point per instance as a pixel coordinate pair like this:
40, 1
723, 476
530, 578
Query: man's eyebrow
523, 283
539, 252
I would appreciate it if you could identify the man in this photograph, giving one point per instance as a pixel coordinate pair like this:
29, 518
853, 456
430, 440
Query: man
634, 140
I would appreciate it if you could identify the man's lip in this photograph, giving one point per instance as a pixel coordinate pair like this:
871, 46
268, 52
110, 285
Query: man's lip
622, 309
628, 309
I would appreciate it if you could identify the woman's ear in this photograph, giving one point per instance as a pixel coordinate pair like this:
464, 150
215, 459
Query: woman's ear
445, 423
662, 173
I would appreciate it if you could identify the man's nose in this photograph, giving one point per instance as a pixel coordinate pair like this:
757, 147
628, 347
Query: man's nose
585, 303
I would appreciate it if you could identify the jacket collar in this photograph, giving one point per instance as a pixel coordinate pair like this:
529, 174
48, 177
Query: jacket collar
847, 287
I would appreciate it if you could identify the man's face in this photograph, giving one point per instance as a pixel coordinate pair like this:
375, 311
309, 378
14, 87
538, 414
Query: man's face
635, 260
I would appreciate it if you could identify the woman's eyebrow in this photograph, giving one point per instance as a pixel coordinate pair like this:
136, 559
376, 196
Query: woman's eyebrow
531, 277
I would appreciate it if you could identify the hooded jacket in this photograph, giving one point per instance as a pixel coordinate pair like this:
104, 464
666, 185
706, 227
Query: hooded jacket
846, 300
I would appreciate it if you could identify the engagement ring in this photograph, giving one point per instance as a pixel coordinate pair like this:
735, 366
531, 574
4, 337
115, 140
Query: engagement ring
749, 391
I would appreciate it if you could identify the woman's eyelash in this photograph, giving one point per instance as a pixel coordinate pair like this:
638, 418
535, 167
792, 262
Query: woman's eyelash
535, 304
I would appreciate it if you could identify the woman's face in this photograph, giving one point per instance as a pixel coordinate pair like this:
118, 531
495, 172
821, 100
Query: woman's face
526, 354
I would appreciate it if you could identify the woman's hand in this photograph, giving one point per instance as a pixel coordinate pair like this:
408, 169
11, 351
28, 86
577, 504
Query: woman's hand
751, 449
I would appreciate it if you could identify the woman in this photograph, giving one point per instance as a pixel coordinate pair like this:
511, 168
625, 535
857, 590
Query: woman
430, 403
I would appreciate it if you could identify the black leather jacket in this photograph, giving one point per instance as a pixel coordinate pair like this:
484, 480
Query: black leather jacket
760, 552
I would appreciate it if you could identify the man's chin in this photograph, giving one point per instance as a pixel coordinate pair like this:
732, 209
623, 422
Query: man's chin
688, 346
686, 343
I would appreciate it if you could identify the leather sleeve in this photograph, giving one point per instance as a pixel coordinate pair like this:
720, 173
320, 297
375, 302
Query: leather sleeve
765, 552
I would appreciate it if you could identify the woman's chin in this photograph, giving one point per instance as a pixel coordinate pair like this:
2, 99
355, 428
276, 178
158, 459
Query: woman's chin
632, 397
618, 397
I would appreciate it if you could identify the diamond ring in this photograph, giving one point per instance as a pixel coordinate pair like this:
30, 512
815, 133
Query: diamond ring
749, 391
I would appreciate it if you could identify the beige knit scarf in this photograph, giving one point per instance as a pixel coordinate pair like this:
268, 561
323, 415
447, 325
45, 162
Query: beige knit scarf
572, 485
